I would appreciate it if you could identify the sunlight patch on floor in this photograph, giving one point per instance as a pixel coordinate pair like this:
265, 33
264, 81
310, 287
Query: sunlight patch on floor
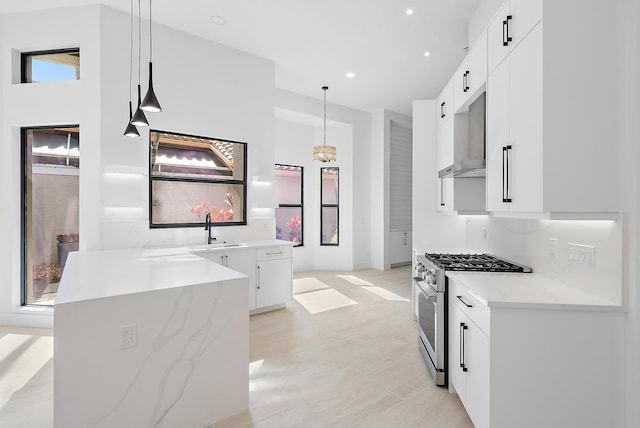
21, 357
324, 300
354, 279
303, 285
385, 294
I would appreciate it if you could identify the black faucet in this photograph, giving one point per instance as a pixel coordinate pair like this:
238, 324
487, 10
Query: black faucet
207, 226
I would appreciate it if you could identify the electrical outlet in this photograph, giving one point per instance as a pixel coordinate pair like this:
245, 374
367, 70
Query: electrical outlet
583, 254
484, 233
128, 336
553, 247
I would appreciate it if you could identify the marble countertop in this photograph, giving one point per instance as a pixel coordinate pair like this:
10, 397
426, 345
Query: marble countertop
529, 290
106, 273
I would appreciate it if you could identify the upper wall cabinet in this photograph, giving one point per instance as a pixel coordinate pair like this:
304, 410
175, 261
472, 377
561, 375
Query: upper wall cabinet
511, 24
550, 121
445, 104
469, 80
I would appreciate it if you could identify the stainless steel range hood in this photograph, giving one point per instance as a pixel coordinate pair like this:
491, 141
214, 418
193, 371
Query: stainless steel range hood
471, 163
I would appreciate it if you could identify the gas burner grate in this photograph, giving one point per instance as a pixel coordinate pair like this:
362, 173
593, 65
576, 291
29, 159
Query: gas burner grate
474, 262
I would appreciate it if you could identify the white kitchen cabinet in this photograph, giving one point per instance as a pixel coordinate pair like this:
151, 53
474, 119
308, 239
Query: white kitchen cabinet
469, 358
470, 78
510, 25
274, 276
399, 247
445, 156
243, 260
549, 114
526, 364
445, 104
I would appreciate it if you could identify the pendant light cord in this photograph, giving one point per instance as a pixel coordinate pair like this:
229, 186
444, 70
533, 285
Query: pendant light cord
150, 38
324, 141
139, 39
130, 48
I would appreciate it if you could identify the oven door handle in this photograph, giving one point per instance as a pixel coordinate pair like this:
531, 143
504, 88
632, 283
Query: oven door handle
425, 289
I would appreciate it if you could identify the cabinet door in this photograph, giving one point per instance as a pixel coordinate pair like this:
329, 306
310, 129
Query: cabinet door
496, 38
244, 261
445, 103
525, 15
460, 91
525, 124
497, 134
273, 282
399, 246
477, 76
476, 354
456, 375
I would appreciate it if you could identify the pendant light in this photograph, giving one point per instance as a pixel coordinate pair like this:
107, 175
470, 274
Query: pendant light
324, 153
139, 119
150, 102
131, 130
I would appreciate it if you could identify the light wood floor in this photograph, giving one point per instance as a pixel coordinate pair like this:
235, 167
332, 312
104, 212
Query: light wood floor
342, 354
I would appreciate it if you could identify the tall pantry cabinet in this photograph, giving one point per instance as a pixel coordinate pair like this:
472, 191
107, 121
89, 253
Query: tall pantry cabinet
551, 109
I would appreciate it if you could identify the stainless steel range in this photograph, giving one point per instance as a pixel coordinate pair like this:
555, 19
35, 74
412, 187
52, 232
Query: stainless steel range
431, 283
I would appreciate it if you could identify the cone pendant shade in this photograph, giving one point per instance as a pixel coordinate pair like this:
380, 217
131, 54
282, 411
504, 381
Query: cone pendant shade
150, 102
139, 119
131, 130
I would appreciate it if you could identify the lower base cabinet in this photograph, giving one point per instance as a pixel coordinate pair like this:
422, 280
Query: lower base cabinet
535, 367
269, 270
469, 360
273, 276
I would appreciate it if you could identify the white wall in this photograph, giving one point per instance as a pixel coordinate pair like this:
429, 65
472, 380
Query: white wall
205, 89
352, 140
481, 17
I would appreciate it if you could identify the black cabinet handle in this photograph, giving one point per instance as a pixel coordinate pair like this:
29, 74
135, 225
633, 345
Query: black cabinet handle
508, 192
258, 281
506, 38
468, 305
506, 195
441, 192
463, 364
466, 81
442, 115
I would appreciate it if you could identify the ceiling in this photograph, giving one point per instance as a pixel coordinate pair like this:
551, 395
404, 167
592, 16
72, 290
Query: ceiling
316, 42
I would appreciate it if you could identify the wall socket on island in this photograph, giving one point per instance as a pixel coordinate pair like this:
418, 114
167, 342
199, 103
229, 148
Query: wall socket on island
128, 336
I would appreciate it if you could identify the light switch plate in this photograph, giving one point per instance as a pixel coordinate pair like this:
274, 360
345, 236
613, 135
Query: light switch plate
553, 247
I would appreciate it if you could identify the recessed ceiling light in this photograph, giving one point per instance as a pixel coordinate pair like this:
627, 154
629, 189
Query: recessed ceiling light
409, 12
427, 53
217, 19
350, 75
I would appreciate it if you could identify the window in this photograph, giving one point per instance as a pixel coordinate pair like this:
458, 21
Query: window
50, 194
329, 206
289, 203
192, 176
51, 66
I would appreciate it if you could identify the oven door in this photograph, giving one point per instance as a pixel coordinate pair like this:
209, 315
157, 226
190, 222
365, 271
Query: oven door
431, 319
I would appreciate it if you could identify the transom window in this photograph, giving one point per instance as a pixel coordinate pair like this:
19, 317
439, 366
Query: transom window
51, 66
193, 176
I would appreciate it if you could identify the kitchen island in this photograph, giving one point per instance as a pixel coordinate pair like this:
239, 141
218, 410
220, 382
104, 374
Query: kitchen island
156, 337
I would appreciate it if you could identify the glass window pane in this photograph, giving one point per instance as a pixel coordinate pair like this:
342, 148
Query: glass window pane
329, 186
289, 224
51, 66
180, 202
329, 226
51, 194
184, 156
288, 185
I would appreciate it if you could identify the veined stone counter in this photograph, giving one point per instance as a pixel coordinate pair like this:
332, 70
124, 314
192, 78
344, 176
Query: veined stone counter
189, 364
